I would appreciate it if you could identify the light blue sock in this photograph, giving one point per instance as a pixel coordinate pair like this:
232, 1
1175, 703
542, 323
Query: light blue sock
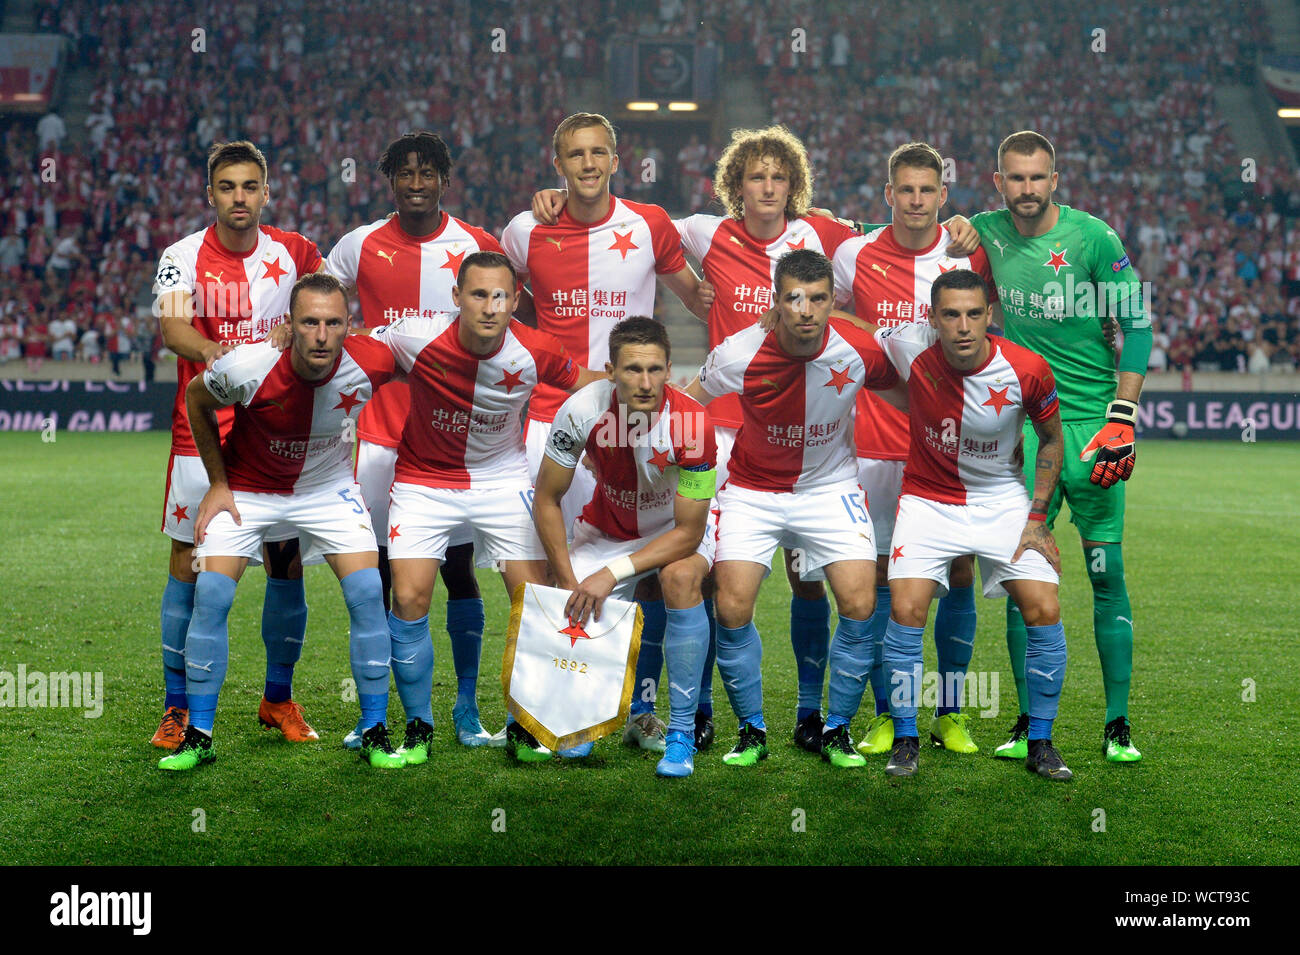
740, 661
1045, 674
650, 664
850, 665
284, 627
177, 608
810, 638
207, 647
903, 668
706, 678
954, 640
465, 622
413, 665
686, 643
369, 644
876, 628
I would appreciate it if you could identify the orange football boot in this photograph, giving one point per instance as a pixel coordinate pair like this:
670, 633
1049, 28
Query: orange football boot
287, 718
171, 731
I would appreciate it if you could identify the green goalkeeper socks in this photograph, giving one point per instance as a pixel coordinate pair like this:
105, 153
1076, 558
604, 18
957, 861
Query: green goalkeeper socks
1112, 622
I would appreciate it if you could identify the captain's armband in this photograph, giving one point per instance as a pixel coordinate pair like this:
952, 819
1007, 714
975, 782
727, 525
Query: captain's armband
698, 483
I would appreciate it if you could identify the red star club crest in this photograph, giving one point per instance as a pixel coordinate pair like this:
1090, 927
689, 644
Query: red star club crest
273, 270
898, 552
575, 632
452, 264
180, 514
393, 532
623, 245
838, 380
660, 459
1056, 261
997, 398
510, 379
347, 402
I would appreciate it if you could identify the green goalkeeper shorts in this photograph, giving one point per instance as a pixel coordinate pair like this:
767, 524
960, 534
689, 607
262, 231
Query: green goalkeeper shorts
1097, 513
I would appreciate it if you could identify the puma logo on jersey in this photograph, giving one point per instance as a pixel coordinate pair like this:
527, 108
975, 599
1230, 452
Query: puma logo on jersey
769, 381
557, 242
438, 367
1000, 246
934, 382
272, 401
215, 278
386, 255
883, 270
740, 242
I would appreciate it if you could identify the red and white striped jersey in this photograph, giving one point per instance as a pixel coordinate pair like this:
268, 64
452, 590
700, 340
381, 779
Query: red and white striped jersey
965, 425
464, 428
238, 297
636, 469
588, 277
289, 433
889, 285
396, 273
742, 271
797, 429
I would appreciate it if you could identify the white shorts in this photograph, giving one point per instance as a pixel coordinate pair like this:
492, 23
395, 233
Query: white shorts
330, 520
424, 521
592, 549
187, 482
726, 440
929, 535
883, 483
825, 526
375, 464
583, 488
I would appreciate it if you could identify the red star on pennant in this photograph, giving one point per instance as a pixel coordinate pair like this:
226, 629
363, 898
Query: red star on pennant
623, 245
838, 380
660, 459
347, 402
273, 270
393, 533
510, 379
574, 631
796, 245
180, 513
997, 399
898, 552
452, 264
1056, 261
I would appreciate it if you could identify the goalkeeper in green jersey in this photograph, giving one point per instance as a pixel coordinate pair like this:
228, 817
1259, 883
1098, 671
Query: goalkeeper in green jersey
1062, 275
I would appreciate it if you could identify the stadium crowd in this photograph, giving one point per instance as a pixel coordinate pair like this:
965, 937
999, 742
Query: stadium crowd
1140, 141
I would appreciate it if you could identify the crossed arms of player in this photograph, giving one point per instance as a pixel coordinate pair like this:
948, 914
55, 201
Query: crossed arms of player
690, 514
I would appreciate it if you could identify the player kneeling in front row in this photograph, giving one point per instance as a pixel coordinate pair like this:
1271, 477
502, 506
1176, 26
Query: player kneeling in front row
654, 457
287, 462
963, 494
793, 483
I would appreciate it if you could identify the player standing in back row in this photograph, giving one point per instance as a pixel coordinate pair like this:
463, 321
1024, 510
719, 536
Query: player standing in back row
407, 265
1058, 270
222, 286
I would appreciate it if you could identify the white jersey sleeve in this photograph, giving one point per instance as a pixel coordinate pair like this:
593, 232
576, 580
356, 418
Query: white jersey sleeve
176, 269
408, 335
344, 260
845, 265
236, 375
697, 233
574, 421
902, 343
723, 372
514, 240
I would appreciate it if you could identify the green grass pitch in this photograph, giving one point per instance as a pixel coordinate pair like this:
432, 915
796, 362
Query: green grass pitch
1210, 556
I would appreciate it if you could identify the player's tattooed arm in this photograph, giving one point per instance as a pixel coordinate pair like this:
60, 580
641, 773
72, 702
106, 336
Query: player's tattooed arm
202, 405
1047, 472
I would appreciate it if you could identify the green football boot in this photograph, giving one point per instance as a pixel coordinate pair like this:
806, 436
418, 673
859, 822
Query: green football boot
879, 738
418, 744
378, 751
952, 731
1018, 746
750, 749
523, 745
1116, 743
196, 748
837, 749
